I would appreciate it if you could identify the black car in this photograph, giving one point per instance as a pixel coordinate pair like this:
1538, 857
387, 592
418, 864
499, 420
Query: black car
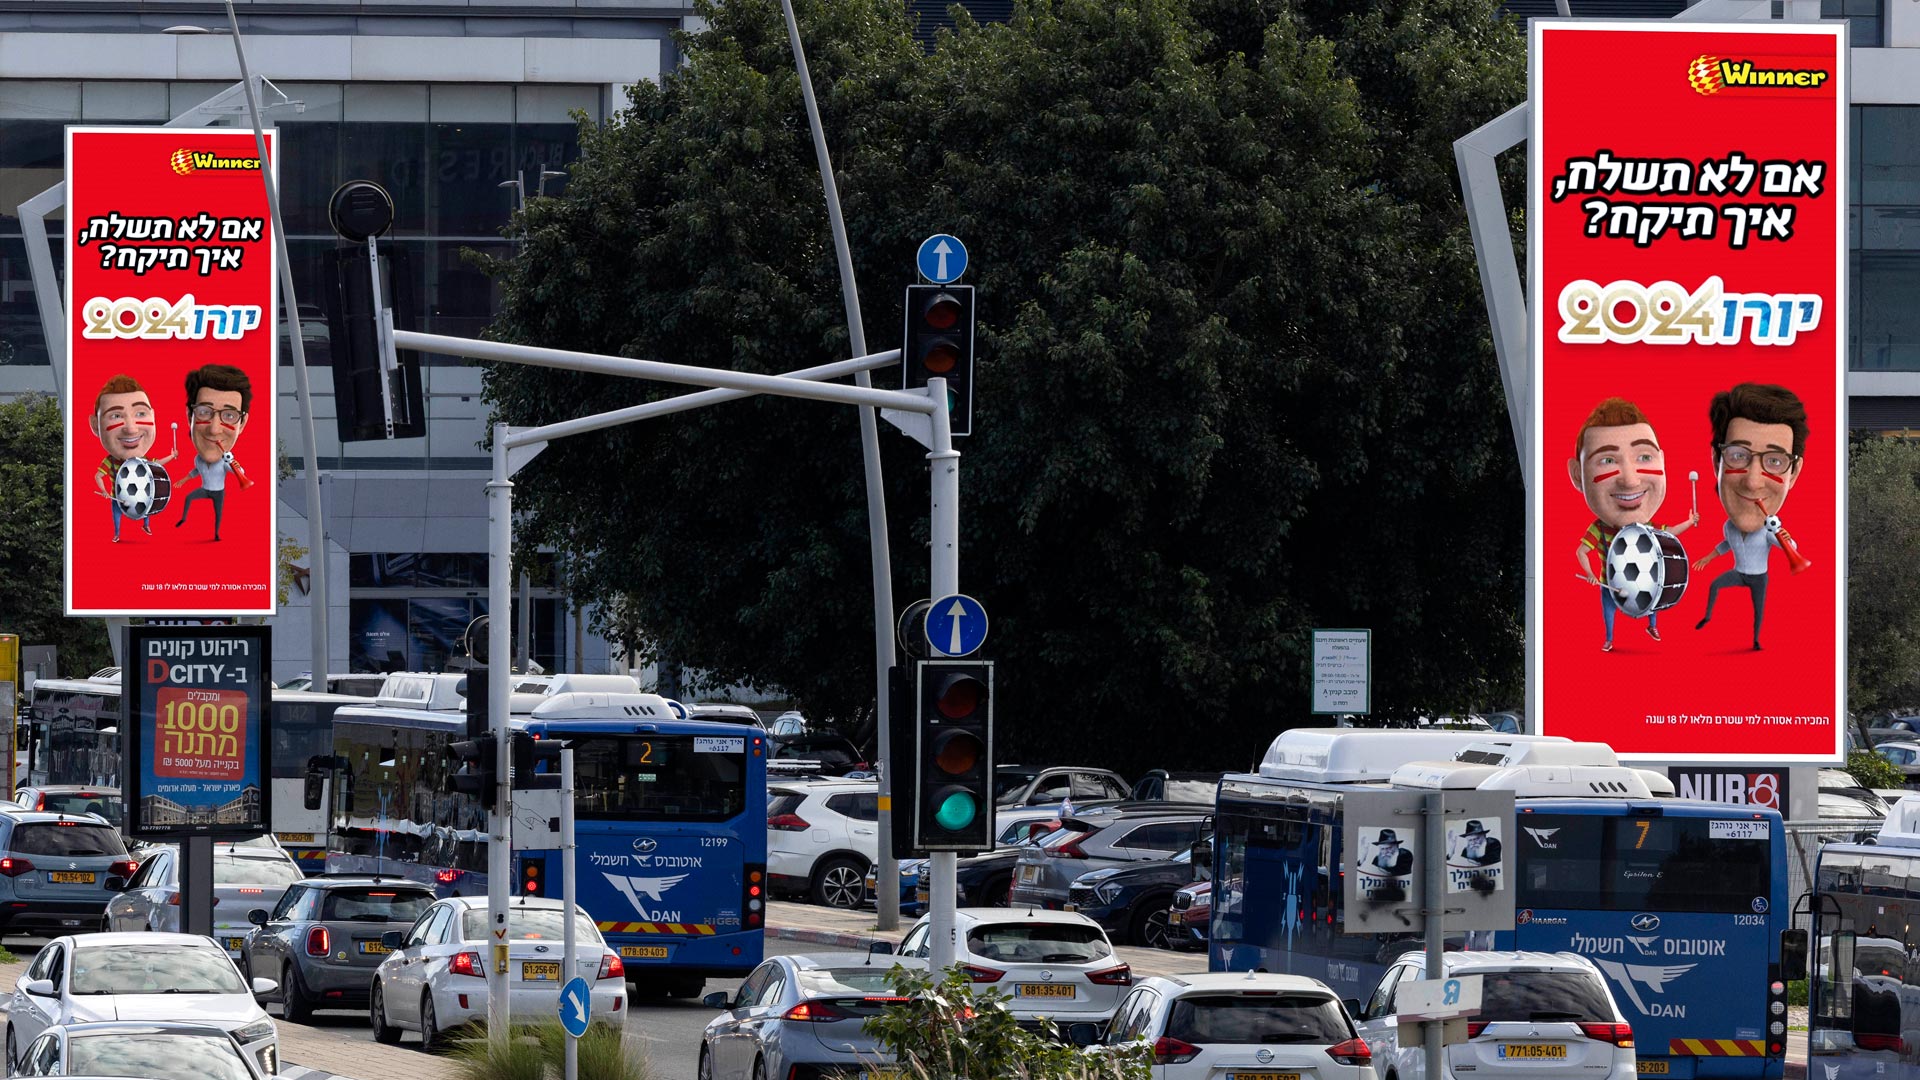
1130, 902
833, 755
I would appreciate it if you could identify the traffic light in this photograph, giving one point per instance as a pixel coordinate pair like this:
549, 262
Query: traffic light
536, 762
477, 767
473, 687
939, 345
377, 391
902, 758
533, 876
953, 740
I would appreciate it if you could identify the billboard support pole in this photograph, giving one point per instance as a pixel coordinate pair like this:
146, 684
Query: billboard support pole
316, 524
1433, 1032
196, 886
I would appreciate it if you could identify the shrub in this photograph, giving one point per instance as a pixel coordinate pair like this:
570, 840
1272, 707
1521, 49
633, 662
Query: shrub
1870, 770
946, 1031
537, 1052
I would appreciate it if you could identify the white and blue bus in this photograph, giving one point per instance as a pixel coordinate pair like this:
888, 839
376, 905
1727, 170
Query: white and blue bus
1681, 903
670, 823
1864, 994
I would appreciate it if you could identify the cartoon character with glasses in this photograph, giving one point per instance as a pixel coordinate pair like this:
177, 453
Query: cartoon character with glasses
1759, 434
217, 400
1621, 471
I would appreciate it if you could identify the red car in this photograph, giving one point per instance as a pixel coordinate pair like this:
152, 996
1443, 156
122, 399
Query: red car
1190, 917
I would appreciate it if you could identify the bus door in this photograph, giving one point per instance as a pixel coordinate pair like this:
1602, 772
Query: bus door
1679, 915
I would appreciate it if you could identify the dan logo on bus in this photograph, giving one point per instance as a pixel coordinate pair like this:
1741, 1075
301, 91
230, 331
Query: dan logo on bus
653, 888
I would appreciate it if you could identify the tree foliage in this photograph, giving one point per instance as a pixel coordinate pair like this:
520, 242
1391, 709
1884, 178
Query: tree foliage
32, 532
1235, 379
943, 1028
1883, 594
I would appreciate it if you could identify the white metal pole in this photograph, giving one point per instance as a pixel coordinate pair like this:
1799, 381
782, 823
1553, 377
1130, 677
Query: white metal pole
1436, 923
571, 1059
316, 520
886, 868
943, 580
499, 686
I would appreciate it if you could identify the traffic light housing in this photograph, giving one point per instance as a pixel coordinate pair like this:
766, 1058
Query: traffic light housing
477, 767
533, 875
953, 756
902, 758
529, 753
939, 345
473, 687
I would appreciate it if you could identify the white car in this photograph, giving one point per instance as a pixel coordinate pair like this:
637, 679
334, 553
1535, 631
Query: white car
1053, 964
245, 876
435, 980
1542, 1015
151, 1049
1242, 1024
145, 976
822, 836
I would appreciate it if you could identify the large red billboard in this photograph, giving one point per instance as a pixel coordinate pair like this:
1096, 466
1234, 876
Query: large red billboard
1687, 247
171, 450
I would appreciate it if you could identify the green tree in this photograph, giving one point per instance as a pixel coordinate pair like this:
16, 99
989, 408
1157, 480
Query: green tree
32, 538
1883, 594
1235, 378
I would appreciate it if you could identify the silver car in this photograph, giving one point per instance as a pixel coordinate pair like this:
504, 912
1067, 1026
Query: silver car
1096, 840
244, 877
321, 942
801, 1011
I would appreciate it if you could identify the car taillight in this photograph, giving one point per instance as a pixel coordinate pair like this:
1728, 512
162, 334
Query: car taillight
173, 899
1617, 1034
1168, 1050
1113, 976
1070, 849
815, 1012
1351, 1052
981, 974
41, 802
447, 877
787, 823
319, 941
124, 868
612, 968
466, 963
1475, 1027
13, 867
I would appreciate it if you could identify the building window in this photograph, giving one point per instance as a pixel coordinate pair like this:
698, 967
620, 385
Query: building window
1864, 20
1884, 324
410, 611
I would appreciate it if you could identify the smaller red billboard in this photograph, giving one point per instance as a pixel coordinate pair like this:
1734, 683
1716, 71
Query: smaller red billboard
170, 381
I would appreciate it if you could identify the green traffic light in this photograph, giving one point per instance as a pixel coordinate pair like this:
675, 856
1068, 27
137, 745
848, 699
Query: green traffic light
956, 811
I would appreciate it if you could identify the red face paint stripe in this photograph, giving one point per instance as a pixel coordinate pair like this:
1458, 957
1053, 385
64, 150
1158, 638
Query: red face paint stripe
1606, 476
116, 427
1653, 472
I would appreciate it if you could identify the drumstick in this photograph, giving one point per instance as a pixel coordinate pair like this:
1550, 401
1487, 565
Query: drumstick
1693, 480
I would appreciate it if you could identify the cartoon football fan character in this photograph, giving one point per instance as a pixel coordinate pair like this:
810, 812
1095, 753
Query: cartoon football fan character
1622, 473
123, 422
1759, 435
218, 397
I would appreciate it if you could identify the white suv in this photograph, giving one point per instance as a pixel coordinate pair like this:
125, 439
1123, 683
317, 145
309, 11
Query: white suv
1053, 964
821, 838
1542, 1016
1242, 1024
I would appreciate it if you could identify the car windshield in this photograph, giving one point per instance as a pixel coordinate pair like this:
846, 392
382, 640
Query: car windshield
156, 1056
871, 979
1037, 943
1008, 781
66, 838
375, 904
827, 751
241, 870
173, 968
1538, 996
530, 924
104, 803
1236, 1018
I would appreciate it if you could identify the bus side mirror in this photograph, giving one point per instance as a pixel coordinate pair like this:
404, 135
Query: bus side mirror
315, 788
1202, 855
1793, 955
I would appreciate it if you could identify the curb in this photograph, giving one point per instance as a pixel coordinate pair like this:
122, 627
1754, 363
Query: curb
856, 942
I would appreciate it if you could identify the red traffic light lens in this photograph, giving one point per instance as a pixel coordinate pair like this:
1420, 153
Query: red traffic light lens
941, 358
958, 754
959, 698
942, 313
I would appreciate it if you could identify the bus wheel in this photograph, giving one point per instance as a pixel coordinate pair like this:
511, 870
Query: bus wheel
840, 883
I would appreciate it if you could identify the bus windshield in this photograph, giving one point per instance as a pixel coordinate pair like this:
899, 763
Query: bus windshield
301, 730
675, 777
1610, 863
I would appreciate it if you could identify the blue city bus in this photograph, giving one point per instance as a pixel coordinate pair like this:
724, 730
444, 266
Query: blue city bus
670, 823
1863, 996
1681, 904
671, 837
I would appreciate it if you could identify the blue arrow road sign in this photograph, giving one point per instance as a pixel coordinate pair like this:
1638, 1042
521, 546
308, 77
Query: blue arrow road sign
956, 625
942, 259
576, 1006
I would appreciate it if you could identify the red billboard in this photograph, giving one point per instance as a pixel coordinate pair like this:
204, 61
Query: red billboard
170, 380
1687, 247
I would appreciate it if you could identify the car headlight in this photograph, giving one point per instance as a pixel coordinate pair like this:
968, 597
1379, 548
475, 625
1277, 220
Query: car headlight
254, 1032
1107, 891
269, 1060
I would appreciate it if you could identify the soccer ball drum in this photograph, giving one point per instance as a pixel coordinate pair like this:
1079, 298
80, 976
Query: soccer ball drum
1646, 570
141, 488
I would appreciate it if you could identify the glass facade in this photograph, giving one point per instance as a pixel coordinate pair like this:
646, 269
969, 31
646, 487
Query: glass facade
1884, 275
1866, 20
409, 612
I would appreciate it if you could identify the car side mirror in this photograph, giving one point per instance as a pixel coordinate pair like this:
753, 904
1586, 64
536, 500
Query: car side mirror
1202, 855
39, 987
880, 948
717, 1001
1793, 955
1083, 1033
1354, 1008
393, 939
258, 916
265, 986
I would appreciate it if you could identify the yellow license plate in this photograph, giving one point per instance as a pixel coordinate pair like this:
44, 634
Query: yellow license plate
1652, 1068
1029, 874
1263, 1076
234, 943
643, 952
1175, 918
540, 971
295, 837
1533, 1051
373, 948
883, 1074
1045, 990
70, 877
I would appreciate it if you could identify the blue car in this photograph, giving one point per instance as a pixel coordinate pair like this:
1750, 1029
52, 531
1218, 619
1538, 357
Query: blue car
910, 902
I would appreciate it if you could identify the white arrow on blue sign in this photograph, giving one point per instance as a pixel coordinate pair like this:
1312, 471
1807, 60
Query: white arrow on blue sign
942, 259
956, 625
576, 1006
